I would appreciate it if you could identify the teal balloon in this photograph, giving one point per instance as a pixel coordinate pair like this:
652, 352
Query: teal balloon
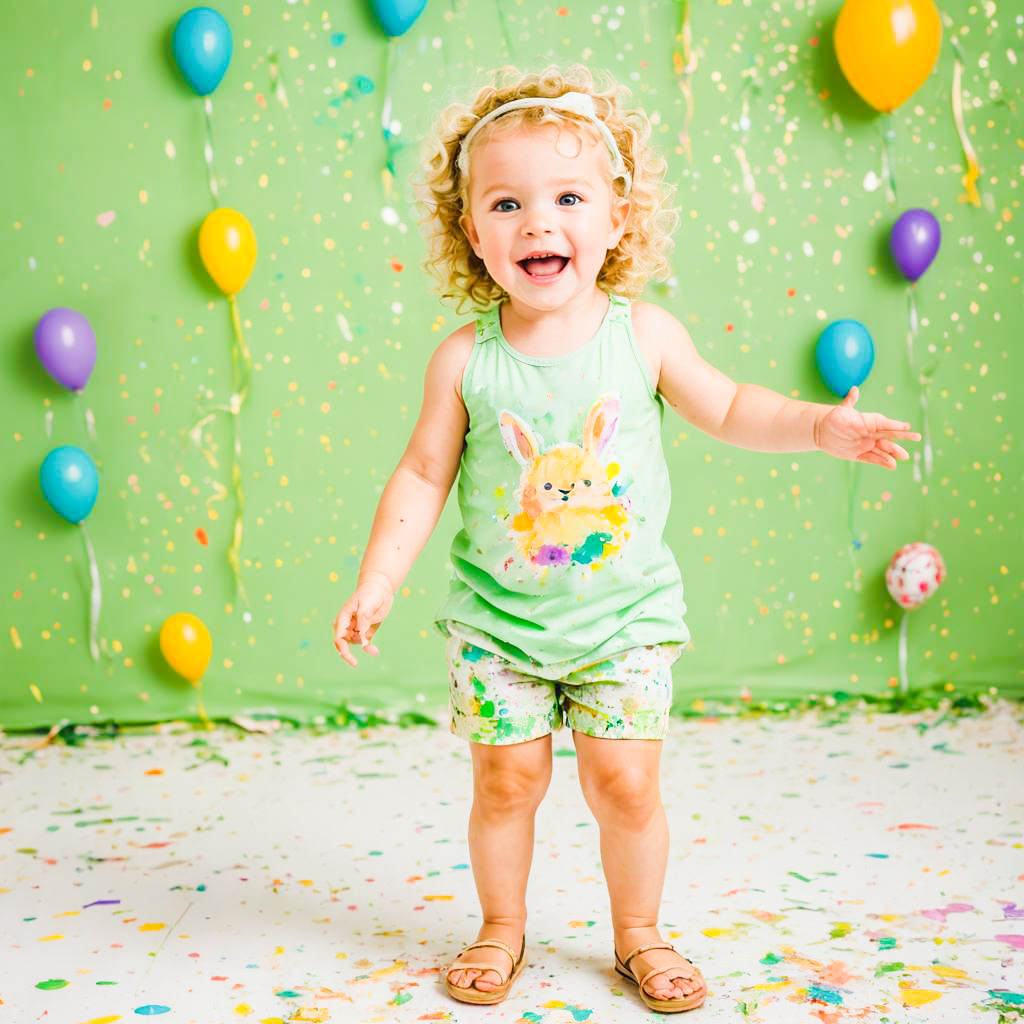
844, 355
201, 45
396, 16
69, 481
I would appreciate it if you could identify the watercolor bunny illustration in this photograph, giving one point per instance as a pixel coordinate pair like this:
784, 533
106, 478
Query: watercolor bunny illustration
572, 511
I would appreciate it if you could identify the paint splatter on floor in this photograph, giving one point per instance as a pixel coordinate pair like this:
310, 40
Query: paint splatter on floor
867, 870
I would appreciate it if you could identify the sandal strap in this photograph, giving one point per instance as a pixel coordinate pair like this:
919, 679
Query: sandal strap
698, 977
643, 949
481, 943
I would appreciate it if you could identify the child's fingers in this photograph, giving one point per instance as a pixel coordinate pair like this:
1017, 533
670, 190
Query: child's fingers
883, 426
878, 458
895, 450
341, 645
344, 631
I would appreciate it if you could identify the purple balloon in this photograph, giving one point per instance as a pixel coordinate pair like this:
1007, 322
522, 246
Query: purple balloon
914, 241
66, 347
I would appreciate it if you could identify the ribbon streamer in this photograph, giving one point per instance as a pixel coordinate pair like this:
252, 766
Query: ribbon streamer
276, 82
684, 64
904, 677
95, 597
973, 172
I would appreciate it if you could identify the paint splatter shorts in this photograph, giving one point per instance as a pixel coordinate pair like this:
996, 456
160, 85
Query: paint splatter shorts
627, 696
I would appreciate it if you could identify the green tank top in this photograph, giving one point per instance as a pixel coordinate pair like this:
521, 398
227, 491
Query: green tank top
564, 493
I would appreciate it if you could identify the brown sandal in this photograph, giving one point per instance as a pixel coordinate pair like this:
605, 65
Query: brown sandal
690, 1002
475, 995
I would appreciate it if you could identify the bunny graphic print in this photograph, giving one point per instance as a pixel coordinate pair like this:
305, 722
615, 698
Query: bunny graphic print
564, 493
571, 508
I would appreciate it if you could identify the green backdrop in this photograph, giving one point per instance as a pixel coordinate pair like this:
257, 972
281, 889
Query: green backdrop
784, 228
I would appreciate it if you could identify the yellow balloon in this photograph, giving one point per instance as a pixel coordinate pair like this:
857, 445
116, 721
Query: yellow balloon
887, 48
227, 247
186, 644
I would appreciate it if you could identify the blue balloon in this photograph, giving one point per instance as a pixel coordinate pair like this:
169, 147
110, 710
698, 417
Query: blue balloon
201, 45
396, 16
845, 355
69, 482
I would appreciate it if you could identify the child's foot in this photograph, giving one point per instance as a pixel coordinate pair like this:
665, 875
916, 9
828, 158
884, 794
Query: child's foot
679, 980
487, 981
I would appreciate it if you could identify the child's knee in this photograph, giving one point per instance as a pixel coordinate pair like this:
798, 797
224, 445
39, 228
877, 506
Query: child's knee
513, 776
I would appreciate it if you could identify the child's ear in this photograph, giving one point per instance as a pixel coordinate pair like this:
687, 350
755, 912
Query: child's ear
620, 215
469, 230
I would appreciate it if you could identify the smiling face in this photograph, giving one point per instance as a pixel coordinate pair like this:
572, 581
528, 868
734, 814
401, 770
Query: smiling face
542, 213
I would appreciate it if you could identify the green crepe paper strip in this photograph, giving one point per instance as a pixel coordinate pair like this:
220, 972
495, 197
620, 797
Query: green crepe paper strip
835, 707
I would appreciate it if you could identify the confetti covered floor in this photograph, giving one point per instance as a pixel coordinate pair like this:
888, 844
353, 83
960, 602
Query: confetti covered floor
862, 870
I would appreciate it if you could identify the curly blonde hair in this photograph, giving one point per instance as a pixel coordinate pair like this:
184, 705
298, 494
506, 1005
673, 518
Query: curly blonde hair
443, 191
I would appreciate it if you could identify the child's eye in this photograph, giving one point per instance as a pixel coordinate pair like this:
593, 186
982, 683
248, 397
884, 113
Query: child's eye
505, 205
572, 198
547, 487
586, 483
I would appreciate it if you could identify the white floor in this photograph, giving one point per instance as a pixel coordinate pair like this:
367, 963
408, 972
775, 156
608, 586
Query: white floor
868, 871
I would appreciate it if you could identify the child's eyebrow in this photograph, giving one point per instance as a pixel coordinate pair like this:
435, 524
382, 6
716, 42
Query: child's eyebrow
555, 183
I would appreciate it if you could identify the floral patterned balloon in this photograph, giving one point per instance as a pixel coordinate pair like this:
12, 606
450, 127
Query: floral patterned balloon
914, 574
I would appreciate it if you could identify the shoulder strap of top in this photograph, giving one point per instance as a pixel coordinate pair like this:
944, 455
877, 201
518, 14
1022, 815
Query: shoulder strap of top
488, 325
621, 307
488, 322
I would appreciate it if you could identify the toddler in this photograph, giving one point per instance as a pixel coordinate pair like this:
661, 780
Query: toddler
547, 214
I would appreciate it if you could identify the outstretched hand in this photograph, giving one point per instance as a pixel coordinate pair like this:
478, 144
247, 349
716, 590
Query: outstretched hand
863, 436
361, 616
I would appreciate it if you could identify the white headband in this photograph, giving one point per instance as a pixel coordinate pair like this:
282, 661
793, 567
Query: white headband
579, 103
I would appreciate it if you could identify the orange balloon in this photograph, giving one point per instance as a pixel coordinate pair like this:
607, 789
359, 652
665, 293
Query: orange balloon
186, 644
887, 48
227, 247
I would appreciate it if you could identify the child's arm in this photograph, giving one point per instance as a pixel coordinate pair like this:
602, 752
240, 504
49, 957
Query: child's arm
751, 416
413, 497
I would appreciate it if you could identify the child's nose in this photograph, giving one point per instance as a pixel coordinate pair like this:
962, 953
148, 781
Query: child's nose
536, 222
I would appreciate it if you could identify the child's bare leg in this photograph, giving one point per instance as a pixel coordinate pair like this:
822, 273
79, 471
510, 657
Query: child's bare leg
620, 783
509, 783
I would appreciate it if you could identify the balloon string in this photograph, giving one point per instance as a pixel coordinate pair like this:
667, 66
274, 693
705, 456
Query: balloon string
48, 422
904, 679
208, 150
973, 173
504, 27
241, 369
95, 596
853, 489
926, 456
912, 323
241, 360
684, 64
887, 164
203, 716
926, 433
387, 122
90, 426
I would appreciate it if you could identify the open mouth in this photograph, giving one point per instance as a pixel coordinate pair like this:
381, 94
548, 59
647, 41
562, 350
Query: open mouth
545, 265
